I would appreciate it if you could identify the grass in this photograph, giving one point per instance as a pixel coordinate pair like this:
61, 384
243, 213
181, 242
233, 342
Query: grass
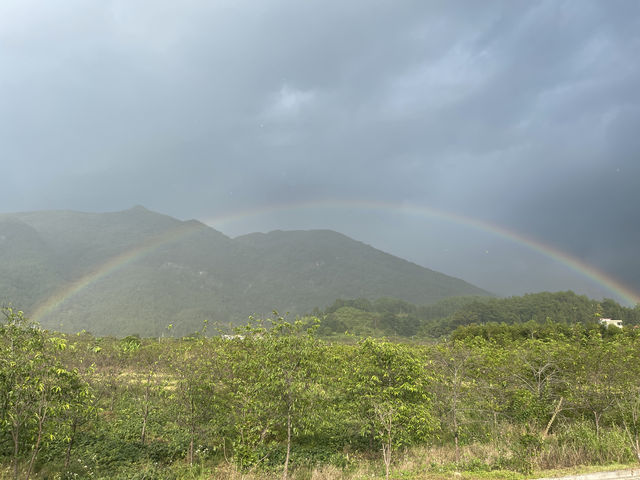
478, 461
369, 472
364, 471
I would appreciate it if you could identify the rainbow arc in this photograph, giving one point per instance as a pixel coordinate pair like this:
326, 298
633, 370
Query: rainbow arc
54, 302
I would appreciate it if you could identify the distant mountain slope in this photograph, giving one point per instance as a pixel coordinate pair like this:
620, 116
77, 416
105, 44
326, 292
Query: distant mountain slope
137, 271
315, 267
27, 264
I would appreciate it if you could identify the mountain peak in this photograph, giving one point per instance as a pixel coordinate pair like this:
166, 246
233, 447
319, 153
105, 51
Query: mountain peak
138, 209
141, 270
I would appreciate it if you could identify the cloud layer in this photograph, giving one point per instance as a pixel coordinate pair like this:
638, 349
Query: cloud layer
521, 114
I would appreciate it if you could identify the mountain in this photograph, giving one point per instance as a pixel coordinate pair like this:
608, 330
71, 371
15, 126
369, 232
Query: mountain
137, 271
328, 265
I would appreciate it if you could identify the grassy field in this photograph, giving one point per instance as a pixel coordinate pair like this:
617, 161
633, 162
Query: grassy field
426, 464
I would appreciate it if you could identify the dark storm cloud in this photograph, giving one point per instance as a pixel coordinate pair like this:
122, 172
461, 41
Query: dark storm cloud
520, 113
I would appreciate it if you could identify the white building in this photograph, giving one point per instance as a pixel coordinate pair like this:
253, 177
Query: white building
608, 322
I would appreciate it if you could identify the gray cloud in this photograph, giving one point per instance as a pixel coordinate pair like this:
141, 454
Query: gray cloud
524, 114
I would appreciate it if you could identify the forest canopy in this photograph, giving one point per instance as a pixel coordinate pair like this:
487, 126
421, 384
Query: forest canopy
281, 396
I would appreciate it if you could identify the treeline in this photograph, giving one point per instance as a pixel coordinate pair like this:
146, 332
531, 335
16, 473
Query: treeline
397, 318
274, 397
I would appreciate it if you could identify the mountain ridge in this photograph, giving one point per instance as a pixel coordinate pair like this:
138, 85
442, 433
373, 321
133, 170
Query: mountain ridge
140, 270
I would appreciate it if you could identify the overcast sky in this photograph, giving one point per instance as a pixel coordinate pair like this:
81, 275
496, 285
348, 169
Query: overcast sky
518, 114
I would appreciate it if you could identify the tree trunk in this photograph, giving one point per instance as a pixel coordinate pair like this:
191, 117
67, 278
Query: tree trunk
145, 410
16, 449
41, 419
386, 456
285, 473
455, 437
67, 458
192, 432
386, 447
455, 428
553, 417
191, 448
145, 414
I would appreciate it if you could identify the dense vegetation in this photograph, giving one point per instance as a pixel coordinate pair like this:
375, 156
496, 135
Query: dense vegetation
280, 401
399, 319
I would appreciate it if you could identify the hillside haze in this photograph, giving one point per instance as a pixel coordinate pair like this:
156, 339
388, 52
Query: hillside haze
138, 271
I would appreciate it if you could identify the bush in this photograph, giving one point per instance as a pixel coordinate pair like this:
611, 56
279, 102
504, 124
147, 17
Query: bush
578, 444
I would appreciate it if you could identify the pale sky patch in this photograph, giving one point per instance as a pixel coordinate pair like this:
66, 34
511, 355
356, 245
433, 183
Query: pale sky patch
289, 101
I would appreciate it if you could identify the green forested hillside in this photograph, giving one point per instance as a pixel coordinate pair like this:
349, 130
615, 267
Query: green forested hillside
323, 265
397, 318
137, 271
560, 307
28, 271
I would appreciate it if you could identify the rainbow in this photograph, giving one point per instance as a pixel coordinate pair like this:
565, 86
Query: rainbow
219, 222
573, 263
113, 264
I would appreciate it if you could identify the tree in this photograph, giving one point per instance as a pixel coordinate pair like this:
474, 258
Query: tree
197, 395
453, 360
537, 382
593, 378
277, 384
388, 388
35, 388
